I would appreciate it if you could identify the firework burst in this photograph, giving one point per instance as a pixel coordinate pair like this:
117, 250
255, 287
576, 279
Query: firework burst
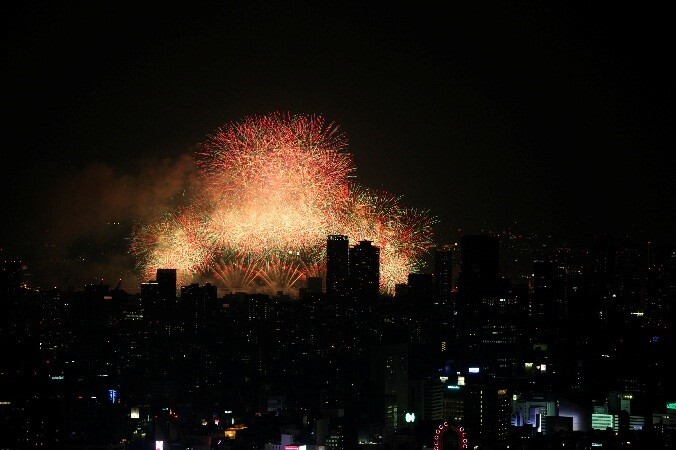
276, 187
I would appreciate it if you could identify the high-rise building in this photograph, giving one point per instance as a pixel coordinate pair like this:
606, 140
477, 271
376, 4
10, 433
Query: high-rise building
166, 281
479, 265
426, 399
421, 289
364, 270
478, 280
150, 300
550, 283
487, 412
337, 266
388, 382
198, 306
443, 273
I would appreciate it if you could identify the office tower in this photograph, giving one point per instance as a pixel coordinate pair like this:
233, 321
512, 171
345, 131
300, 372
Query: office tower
166, 281
364, 270
166, 298
388, 387
150, 299
198, 307
478, 281
443, 273
479, 265
426, 399
550, 283
421, 289
337, 267
487, 412
498, 334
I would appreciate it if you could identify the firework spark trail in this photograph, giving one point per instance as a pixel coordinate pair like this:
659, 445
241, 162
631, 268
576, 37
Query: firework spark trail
276, 187
175, 241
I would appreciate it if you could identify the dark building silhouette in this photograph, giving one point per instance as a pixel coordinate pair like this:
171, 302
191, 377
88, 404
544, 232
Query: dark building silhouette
478, 285
550, 283
479, 265
443, 273
166, 281
337, 266
388, 387
198, 307
151, 301
421, 289
487, 411
479, 273
364, 270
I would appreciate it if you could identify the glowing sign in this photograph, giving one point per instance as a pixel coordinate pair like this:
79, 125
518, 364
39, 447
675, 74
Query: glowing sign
410, 417
159, 445
112, 395
671, 405
473, 370
452, 386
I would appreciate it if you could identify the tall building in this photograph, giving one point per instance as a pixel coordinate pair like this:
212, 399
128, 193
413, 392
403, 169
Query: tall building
487, 412
337, 267
479, 265
443, 273
198, 307
479, 281
421, 289
388, 385
364, 270
426, 399
166, 282
150, 301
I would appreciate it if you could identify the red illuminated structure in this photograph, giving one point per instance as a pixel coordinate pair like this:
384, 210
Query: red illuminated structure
441, 430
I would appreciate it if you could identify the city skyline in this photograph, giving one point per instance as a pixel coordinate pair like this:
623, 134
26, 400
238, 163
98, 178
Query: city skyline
533, 362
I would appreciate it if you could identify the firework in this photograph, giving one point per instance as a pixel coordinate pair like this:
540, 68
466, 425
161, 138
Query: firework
275, 187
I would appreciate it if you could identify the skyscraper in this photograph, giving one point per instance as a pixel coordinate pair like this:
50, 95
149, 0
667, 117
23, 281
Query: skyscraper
364, 270
337, 267
198, 307
443, 273
421, 289
166, 281
479, 265
388, 386
478, 286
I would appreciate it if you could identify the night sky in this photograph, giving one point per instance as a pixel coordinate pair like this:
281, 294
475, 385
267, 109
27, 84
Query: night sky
541, 116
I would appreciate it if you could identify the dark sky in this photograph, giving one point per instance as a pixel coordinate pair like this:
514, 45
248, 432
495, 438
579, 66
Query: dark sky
556, 116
